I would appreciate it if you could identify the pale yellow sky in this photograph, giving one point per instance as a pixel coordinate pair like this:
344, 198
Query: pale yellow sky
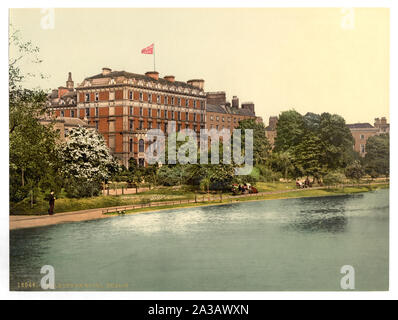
313, 60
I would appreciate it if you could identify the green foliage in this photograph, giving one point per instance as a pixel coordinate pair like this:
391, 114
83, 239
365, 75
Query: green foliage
377, 158
33, 155
354, 171
316, 143
333, 178
261, 146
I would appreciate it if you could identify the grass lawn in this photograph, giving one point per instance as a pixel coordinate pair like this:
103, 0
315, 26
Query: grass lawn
160, 194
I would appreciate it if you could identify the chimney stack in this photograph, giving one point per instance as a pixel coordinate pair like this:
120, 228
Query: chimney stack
152, 74
235, 102
169, 78
106, 71
198, 83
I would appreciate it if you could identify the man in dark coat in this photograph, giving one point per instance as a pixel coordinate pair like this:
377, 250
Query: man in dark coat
51, 202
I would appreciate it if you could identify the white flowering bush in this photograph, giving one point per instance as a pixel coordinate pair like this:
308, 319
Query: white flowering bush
86, 162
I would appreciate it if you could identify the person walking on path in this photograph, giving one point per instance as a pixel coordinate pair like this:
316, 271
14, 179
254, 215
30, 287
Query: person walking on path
51, 202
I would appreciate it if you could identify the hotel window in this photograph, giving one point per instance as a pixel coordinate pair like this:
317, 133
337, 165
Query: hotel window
87, 112
149, 125
234, 120
165, 127
62, 113
72, 113
141, 96
172, 101
186, 116
96, 111
159, 125
194, 117
217, 127
131, 125
131, 110
158, 99
96, 96
194, 103
179, 115
172, 115
217, 118
131, 145
141, 125
141, 146
202, 104
211, 118
96, 125
87, 97
179, 127
179, 102
149, 112
141, 111
66, 132
362, 137
223, 119
187, 102
141, 162
362, 146
150, 97
158, 115
202, 117
166, 100
131, 95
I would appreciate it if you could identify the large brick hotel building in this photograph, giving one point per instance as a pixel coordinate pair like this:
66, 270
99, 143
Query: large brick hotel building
123, 106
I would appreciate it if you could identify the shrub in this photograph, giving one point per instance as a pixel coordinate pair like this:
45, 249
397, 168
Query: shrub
333, 177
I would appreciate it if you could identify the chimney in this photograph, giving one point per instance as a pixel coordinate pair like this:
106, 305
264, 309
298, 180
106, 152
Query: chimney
383, 120
248, 106
152, 74
235, 102
169, 78
273, 122
106, 71
377, 122
69, 83
198, 83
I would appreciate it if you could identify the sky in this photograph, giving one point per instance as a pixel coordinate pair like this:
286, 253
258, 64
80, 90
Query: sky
311, 60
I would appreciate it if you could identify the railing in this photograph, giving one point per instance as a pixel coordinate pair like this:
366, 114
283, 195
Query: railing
223, 198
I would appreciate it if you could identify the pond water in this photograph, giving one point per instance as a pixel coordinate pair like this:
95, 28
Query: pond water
291, 244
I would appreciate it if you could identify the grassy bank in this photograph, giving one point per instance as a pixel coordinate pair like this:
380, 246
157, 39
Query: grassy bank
172, 193
293, 194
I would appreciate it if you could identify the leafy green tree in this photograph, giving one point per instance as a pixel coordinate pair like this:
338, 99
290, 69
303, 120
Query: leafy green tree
377, 158
33, 157
355, 171
289, 130
261, 145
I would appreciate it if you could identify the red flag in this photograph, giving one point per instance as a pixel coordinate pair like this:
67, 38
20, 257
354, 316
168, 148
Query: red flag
148, 50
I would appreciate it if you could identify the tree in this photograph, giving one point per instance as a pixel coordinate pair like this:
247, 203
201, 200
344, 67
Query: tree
86, 162
289, 130
261, 145
354, 171
377, 158
33, 156
282, 162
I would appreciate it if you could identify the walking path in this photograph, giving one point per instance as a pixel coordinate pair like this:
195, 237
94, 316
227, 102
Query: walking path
29, 221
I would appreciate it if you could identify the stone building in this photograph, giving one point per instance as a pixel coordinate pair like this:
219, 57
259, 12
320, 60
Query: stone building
122, 106
361, 132
221, 114
65, 124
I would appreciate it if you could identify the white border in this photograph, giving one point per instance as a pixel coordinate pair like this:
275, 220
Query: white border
4, 219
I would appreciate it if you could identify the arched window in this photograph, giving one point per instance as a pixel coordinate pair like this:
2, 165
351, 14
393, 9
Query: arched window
141, 146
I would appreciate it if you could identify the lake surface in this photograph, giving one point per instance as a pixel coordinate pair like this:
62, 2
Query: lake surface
292, 244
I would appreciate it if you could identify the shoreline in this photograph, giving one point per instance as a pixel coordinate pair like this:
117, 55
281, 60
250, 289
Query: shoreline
30, 221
